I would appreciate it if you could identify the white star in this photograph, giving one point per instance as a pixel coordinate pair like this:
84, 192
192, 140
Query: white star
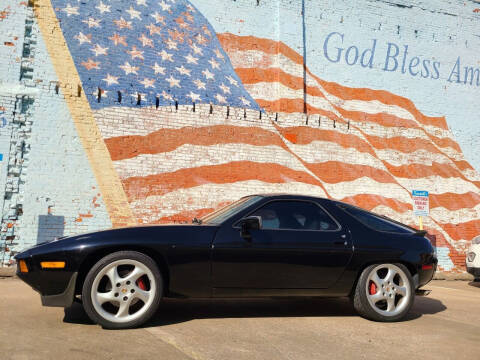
123, 24
145, 41
153, 29
90, 64
245, 101
232, 81
193, 96
158, 18
71, 10
206, 31
191, 59
134, 53
196, 49
164, 5
208, 74
142, 2
82, 38
200, 84
220, 98
147, 83
172, 45
182, 70
191, 8
201, 39
173, 82
98, 50
225, 88
134, 13
215, 65
111, 79
103, 8
219, 54
91, 22
166, 56
158, 69
129, 69
167, 96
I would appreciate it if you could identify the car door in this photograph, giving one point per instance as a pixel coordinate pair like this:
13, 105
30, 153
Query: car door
299, 246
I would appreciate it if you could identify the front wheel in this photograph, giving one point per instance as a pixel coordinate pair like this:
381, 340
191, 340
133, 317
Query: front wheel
122, 290
384, 292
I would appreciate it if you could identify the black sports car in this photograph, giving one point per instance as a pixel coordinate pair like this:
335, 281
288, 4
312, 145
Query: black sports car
261, 245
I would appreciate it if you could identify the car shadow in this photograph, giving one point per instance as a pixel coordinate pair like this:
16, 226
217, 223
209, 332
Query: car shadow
474, 283
174, 311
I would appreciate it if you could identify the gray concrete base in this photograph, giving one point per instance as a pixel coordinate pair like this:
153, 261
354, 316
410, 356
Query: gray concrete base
441, 275
7, 271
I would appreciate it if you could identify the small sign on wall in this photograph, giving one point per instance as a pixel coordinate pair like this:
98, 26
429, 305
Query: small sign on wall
1, 157
421, 205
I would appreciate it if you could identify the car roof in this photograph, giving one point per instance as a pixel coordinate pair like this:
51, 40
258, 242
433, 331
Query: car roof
290, 196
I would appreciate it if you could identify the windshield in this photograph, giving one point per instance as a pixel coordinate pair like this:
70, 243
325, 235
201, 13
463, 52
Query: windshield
219, 216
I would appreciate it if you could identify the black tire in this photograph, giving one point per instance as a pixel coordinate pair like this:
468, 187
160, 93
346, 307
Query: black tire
363, 306
88, 305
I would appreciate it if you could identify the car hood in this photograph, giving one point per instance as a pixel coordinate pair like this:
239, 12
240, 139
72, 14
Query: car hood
160, 233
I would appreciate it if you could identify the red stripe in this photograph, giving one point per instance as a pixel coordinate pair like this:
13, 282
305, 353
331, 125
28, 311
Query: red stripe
160, 184
231, 42
334, 172
164, 140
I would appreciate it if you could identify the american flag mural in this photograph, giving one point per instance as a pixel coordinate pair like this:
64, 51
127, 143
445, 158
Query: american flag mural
249, 133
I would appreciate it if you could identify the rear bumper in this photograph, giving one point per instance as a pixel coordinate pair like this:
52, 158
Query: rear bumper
425, 274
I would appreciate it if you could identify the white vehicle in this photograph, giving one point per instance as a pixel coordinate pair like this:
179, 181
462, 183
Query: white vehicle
473, 258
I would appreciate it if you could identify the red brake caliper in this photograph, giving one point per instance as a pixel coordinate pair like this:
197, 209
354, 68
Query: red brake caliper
141, 284
372, 288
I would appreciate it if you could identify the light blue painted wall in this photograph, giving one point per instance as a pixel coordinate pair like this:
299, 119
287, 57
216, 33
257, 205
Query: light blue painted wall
59, 174
59, 184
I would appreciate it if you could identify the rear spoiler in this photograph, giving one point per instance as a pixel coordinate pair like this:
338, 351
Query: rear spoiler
421, 232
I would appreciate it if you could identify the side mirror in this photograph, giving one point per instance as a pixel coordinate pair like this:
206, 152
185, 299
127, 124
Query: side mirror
250, 223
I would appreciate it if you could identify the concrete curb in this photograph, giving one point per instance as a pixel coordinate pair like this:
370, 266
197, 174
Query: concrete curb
7, 271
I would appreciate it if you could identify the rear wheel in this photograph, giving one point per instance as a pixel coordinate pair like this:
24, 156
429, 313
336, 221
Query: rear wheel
122, 290
384, 292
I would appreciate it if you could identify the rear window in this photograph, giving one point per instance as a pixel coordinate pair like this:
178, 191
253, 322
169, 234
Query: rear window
376, 222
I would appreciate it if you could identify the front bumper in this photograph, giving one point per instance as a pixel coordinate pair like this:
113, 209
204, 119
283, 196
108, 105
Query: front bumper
64, 299
55, 286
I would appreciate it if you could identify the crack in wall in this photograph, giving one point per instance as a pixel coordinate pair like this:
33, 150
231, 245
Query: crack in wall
21, 127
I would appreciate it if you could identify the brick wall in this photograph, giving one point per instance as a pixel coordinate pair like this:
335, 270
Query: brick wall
81, 153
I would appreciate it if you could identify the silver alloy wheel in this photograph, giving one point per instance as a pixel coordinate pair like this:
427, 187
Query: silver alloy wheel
391, 292
123, 292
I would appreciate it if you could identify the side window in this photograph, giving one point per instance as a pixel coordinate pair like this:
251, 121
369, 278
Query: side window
299, 215
375, 222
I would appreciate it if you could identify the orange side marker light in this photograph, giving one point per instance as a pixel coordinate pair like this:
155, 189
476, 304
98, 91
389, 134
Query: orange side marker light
52, 264
23, 266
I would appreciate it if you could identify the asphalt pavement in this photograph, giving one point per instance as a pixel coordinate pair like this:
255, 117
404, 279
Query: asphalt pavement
444, 325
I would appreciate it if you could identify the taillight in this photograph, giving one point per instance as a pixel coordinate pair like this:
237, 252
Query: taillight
471, 256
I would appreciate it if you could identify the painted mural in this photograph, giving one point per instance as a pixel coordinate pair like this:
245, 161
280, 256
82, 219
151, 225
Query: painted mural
178, 118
